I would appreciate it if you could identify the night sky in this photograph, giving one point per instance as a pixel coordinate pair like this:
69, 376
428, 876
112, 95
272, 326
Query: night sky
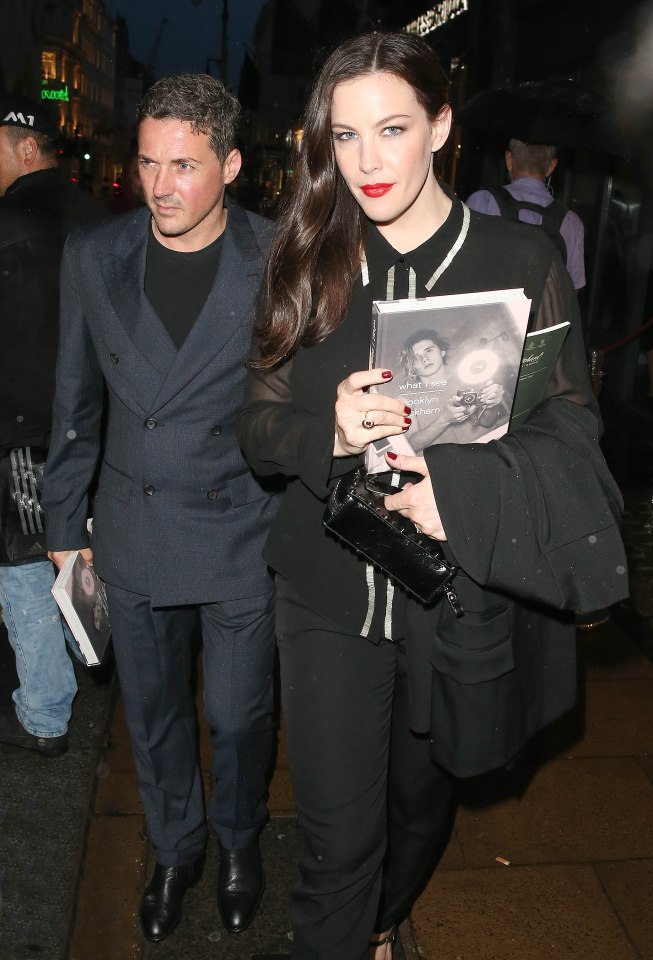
193, 32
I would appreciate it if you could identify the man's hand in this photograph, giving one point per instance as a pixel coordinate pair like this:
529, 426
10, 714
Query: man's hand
491, 394
416, 500
457, 412
58, 557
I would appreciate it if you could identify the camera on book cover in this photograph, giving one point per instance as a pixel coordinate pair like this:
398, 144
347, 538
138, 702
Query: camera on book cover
466, 398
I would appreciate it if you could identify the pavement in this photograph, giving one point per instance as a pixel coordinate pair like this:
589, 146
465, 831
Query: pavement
551, 860
44, 807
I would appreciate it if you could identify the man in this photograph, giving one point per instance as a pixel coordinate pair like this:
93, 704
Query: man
526, 198
37, 208
157, 310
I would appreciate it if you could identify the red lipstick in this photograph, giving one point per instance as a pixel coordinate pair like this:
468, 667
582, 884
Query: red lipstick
376, 189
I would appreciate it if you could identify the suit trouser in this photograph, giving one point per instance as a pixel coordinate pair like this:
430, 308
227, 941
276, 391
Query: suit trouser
154, 658
360, 778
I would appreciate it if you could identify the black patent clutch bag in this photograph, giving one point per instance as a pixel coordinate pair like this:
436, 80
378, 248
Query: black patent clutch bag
355, 514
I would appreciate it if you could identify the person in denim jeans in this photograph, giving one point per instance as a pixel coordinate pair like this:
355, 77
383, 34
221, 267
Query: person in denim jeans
44, 698
38, 207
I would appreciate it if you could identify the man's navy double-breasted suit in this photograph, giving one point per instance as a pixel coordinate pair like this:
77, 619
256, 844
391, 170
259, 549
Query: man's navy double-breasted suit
179, 519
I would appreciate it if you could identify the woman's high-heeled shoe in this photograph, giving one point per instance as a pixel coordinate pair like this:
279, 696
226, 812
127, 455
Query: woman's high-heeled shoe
385, 938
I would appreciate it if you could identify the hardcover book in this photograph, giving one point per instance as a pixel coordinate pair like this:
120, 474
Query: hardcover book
455, 363
81, 597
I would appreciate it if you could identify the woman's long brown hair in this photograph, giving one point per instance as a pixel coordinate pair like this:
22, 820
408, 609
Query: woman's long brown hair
315, 256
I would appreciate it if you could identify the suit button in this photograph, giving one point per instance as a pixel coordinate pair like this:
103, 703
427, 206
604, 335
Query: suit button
148, 490
150, 424
114, 358
216, 431
212, 495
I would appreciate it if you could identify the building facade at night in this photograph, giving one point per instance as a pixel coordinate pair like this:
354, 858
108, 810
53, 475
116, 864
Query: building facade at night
73, 55
78, 76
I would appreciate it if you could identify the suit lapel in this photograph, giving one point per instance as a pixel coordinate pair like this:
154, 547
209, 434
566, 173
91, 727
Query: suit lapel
124, 277
227, 307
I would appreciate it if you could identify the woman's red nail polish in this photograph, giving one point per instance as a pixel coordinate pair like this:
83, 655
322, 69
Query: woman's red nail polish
386, 374
407, 420
407, 410
404, 428
391, 456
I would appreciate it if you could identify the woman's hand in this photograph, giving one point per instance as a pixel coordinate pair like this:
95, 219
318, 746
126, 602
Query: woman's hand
388, 416
416, 500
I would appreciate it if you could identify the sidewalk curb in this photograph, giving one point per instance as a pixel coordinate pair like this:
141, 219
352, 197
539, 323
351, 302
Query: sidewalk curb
85, 821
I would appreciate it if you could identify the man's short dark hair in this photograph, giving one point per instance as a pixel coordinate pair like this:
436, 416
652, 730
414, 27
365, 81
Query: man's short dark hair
48, 147
198, 99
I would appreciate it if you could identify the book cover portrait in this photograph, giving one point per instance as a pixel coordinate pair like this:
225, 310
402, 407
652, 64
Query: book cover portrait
455, 366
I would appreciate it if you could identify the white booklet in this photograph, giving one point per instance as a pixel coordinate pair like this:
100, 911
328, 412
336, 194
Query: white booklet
82, 599
455, 362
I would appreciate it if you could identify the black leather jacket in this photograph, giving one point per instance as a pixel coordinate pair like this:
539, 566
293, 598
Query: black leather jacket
36, 213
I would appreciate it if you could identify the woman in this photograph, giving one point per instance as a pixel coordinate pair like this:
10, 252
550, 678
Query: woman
386, 700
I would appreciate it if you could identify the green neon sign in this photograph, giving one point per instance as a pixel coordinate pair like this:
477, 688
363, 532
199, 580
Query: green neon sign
55, 94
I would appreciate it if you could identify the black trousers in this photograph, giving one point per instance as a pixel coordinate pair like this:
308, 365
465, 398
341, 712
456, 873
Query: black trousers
375, 812
154, 659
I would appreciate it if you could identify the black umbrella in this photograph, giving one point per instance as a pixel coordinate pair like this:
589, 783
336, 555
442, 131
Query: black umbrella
558, 111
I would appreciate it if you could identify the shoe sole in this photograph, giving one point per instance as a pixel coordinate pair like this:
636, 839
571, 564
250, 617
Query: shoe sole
50, 752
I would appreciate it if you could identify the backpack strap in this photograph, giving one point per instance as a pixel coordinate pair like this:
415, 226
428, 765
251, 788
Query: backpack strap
552, 215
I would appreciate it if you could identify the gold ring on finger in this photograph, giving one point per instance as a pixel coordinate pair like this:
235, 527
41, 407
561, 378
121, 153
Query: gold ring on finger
367, 422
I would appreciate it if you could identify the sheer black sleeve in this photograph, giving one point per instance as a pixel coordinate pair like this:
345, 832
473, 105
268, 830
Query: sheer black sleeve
570, 378
535, 513
277, 438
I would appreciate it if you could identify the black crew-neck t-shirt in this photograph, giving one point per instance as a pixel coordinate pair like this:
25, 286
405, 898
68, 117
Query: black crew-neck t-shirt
177, 284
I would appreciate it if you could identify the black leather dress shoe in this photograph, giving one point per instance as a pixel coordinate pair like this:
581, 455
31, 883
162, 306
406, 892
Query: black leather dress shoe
240, 886
162, 901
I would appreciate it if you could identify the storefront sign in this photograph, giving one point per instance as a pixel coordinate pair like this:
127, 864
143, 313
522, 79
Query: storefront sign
55, 93
437, 16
